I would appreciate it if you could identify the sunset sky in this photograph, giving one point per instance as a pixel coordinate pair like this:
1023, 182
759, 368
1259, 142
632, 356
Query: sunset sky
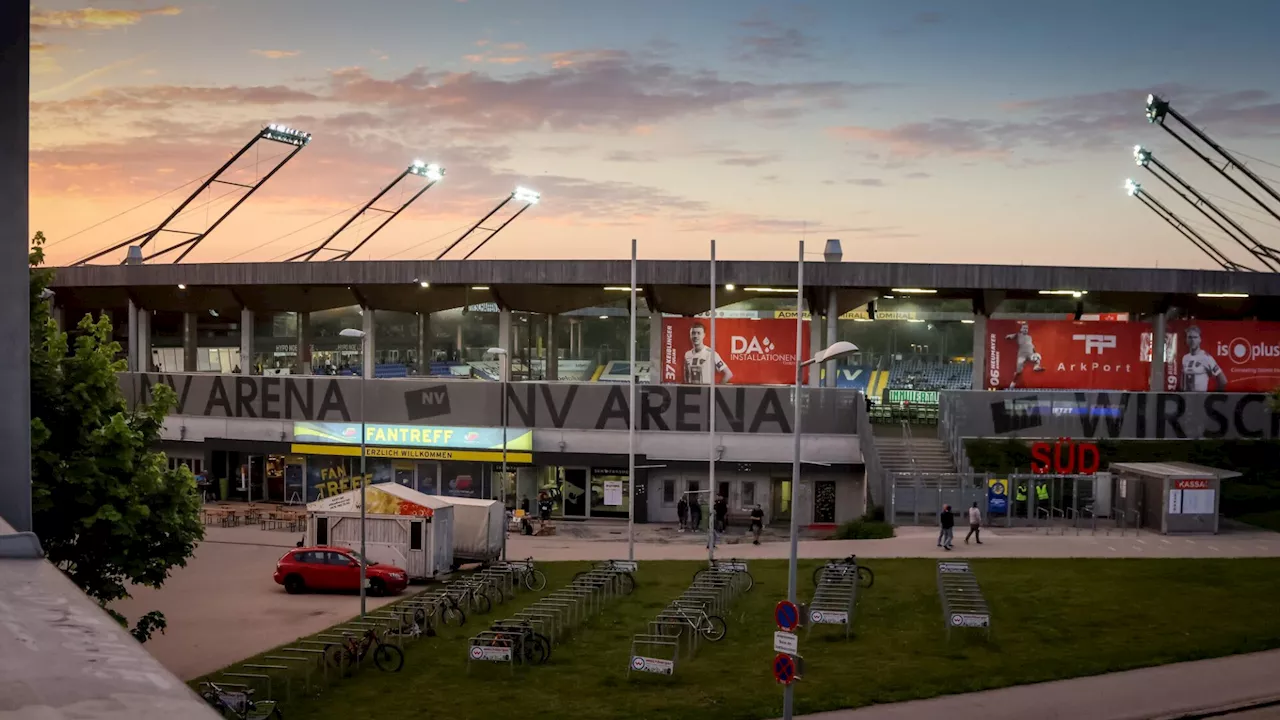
980, 131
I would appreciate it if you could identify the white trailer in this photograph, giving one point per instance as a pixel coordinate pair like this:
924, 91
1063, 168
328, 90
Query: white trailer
403, 527
479, 528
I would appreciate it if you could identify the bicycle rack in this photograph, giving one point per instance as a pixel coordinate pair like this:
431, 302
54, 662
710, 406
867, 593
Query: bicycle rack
835, 598
710, 593
554, 616
963, 605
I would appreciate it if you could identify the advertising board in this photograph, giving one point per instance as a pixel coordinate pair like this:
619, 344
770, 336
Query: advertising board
1067, 355
747, 352
1222, 356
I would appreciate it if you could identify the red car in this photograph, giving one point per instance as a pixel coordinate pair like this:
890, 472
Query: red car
334, 568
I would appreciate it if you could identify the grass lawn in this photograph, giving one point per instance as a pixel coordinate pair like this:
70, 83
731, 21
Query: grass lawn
1267, 520
1052, 619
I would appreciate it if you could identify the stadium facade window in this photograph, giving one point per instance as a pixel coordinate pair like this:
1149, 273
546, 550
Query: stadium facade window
668, 492
748, 494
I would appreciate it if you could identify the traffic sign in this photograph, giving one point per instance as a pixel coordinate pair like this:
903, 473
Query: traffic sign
786, 615
784, 668
786, 642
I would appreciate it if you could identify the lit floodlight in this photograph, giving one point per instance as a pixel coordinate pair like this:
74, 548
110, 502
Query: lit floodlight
431, 171
1157, 108
525, 195
1141, 155
1132, 187
286, 134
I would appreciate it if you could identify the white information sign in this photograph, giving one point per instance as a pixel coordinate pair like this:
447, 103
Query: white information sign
953, 567
1175, 502
653, 665
785, 642
613, 493
491, 653
1197, 502
828, 617
970, 620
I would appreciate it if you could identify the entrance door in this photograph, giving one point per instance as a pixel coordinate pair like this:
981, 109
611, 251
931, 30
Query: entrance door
575, 492
824, 502
781, 499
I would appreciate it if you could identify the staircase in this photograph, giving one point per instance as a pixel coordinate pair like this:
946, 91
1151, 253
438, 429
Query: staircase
905, 452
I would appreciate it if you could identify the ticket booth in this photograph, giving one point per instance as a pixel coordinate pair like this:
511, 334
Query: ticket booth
1189, 495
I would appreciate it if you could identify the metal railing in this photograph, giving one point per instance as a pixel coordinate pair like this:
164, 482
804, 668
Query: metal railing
963, 605
876, 480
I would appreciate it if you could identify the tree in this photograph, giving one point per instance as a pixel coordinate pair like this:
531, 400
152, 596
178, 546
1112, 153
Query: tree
107, 509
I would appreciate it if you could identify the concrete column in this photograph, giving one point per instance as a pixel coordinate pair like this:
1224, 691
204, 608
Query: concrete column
190, 343
815, 344
132, 319
144, 339
246, 341
424, 343
504, 331
368, 357
458, 342
304, 343
979, 351
655, 347
1158, 328
553, 350
60, 317
833, 315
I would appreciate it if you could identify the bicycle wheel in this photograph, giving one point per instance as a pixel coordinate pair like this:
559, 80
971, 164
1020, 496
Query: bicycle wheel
866, 578
745, 581
276, 713
480, 603
419, 617
535, 580
535, 653
715, 628
817, 574
388, 658
452, 613
628, 583
339, 657
698, 573
545, 643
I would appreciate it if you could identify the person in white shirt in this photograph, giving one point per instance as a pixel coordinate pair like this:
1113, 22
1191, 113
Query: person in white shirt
1026, 353
1198, 366
699, 359
975, 525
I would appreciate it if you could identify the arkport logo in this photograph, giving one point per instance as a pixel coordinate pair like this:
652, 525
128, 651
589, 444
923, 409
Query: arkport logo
1241, 351
1096, 342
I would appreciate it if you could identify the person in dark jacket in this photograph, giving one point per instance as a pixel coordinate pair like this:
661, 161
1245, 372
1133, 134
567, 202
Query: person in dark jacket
757, 524
947, 523
695, 513
722, 513
682, 511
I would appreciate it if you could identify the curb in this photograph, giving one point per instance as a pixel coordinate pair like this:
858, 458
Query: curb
1220, 711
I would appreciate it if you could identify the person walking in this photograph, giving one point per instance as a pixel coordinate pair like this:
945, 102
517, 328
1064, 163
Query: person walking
682, 511
695, 514
722, 513
947, 523
757, 524
975, 524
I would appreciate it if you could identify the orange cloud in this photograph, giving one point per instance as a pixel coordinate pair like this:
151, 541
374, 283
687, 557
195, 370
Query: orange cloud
94, 18
495, 59
277, 54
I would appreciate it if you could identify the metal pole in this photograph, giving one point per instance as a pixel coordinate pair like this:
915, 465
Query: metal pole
711, 421
788, 691
364, 478
631, 417
502, 493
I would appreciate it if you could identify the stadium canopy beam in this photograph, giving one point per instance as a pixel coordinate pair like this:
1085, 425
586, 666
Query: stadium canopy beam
1158, 109
526, 196
433, 174
272, 134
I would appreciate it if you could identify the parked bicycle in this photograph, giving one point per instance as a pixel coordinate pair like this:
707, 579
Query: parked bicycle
866, 578
741, 577
625, 578
238, 704
470, 595
528, 645
529, 576
711, 627
388, 658
441, 607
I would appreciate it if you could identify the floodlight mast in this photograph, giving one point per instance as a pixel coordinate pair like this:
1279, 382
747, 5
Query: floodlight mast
1158, 109
272, 133
520, 194
432, 172
1135, 190
1145, 159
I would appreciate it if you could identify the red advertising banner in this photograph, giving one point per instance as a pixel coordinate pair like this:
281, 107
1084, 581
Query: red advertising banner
1222, 356
1068, 355
747, 352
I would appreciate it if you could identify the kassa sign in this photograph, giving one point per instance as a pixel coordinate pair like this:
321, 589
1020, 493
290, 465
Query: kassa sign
1222, 356
1067, 355
747, 352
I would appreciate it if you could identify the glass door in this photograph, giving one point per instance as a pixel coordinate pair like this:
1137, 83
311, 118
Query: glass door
575, 492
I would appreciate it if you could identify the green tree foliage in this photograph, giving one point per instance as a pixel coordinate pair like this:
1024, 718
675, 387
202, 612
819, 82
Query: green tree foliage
108, 511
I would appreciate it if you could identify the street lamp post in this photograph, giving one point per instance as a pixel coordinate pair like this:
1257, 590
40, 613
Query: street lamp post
364, 478
833, 352
501, 353
631, 416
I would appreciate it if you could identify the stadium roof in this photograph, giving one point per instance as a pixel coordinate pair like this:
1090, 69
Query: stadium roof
674, 286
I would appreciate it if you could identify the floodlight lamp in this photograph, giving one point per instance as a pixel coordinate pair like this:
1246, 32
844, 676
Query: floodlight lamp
1141, 156
424, 284
1132, 187
1157, 108
525, 195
